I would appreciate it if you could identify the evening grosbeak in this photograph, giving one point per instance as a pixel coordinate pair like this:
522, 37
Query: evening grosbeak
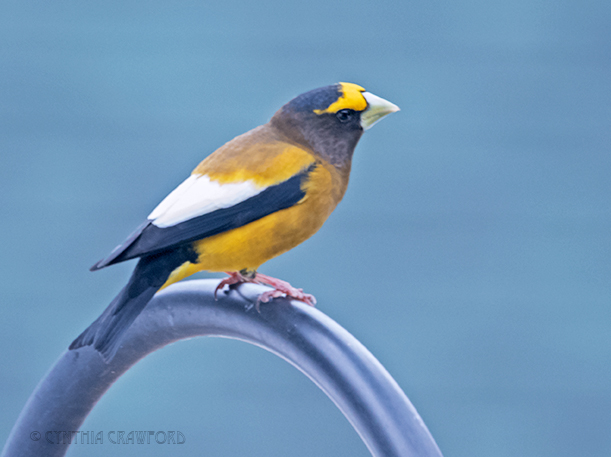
254, 198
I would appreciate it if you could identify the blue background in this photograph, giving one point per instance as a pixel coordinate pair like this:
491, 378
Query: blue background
470, 254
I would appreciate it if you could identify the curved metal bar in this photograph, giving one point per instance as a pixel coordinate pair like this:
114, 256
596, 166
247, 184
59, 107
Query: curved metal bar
325, 352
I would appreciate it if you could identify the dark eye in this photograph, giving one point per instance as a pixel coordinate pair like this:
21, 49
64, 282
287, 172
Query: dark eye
345, 115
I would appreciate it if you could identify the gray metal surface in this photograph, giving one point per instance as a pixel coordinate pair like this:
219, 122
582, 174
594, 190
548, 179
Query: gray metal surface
325, 352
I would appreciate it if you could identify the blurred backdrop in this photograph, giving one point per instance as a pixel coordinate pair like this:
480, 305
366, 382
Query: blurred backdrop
470, 254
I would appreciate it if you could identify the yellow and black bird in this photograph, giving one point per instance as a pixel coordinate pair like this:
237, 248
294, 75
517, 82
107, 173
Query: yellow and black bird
256, 197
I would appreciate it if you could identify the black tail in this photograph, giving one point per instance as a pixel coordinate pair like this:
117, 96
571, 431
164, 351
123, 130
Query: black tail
149, 275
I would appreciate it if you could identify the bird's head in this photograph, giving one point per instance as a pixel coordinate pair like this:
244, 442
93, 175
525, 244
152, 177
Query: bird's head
330, 120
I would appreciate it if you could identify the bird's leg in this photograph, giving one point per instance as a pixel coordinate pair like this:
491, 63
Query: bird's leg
236, 277
281, 288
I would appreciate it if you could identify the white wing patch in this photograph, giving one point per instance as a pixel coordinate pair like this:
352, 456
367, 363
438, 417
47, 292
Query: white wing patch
199, 195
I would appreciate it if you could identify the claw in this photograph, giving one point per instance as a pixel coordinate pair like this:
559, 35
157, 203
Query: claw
282, 288
234, 278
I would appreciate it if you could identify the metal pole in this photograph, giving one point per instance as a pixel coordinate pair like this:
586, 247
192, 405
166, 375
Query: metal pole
303, 336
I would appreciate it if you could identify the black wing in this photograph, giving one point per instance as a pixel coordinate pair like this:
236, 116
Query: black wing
148, 239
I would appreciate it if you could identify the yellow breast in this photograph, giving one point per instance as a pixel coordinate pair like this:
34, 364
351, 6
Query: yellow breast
255, 243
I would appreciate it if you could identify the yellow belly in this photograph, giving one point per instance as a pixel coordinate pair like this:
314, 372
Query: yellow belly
251, 245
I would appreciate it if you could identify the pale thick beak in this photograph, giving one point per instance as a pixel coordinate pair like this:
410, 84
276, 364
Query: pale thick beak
377, 108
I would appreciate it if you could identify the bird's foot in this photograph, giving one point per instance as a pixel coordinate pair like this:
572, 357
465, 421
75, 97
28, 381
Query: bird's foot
281, 288
235, 277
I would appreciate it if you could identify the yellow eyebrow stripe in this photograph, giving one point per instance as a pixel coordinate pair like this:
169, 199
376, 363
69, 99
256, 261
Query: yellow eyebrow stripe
351, 98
